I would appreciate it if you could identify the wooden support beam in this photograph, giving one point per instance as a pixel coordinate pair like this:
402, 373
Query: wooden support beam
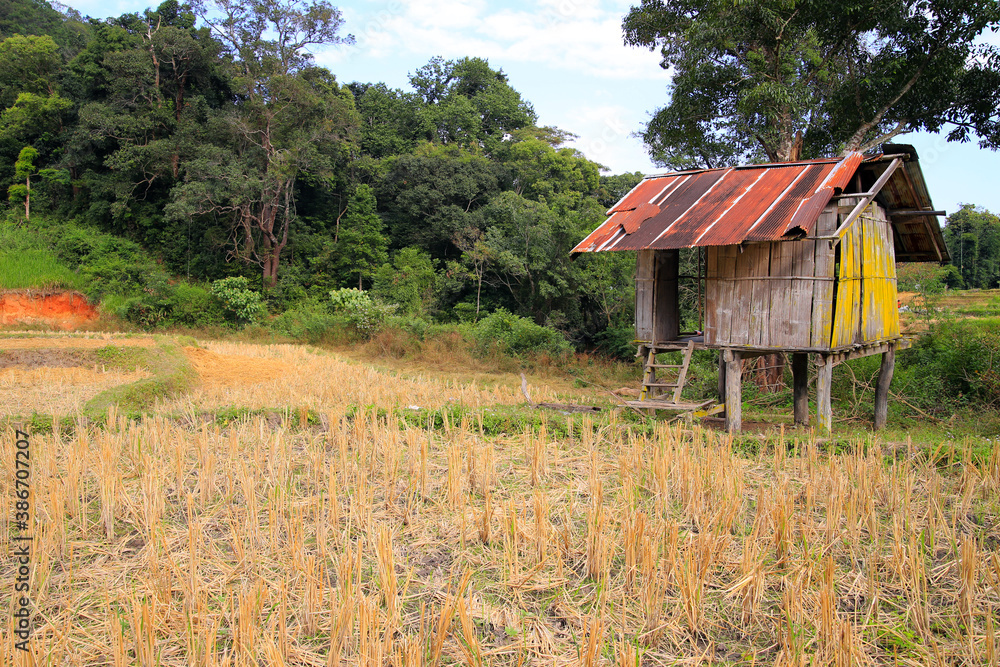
734, 390
869, 350
927, 221
866, 198
882, 387
722, 377
898, 212
824, 384
800, 387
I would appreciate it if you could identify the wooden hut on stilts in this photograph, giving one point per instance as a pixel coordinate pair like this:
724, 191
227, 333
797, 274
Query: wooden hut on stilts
797, 257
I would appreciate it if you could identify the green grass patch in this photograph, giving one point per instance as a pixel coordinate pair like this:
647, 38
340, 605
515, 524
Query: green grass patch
36, 269
172, 375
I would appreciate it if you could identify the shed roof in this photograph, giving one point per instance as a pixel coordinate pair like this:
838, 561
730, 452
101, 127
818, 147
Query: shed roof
767, 202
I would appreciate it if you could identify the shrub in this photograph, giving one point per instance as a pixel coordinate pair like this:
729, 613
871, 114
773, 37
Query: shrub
408, 282
365, 315
239, 301
310, 322
959, 362
617, 342
509, 334
194, 306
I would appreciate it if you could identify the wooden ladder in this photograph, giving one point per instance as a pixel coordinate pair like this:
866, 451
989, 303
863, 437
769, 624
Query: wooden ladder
653, 387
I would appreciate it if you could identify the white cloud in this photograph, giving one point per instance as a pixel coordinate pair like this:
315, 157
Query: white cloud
583, 36
605, 133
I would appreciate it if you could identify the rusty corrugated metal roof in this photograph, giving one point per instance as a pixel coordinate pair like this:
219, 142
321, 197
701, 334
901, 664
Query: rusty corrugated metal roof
715, 207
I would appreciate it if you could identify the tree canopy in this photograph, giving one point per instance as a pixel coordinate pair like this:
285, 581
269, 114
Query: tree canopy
784, 79
208, 134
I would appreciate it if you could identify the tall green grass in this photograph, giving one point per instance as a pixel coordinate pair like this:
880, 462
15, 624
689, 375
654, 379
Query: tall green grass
36, 268
26, 261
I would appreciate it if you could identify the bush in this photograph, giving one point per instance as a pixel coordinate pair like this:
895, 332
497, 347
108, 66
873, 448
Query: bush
240, 302
957, 363
194, 306
408, 282
365, 315
507, 333
310, 322
617, 342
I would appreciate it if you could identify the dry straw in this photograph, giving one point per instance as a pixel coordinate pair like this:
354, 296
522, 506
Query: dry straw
272, 539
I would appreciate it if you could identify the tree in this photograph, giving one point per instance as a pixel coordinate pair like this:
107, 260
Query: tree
24, 168
973, 238
614, 188
469, 103
360, 246
390, 119
407, 282
476, 259
431, 194
38, 17
27, 65
156, 74
544, 173
528, 244
784, 79
292, 120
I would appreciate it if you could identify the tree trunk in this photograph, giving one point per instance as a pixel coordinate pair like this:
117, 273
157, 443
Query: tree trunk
768, 372
269, 262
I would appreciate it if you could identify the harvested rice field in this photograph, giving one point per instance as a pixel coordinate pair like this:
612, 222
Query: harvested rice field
60, 391
339, 531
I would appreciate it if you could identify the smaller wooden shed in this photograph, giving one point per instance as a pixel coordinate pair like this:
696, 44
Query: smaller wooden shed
795, 257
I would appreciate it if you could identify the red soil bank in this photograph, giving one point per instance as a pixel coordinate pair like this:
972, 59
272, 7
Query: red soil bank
64, 310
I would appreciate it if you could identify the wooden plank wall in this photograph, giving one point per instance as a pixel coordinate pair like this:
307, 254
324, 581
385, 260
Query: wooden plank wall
882, 322
866, 286
666, 311
785, 295
764, 295
822, 306
645, 269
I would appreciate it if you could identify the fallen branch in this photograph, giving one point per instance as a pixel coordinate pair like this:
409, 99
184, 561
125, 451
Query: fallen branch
565, 407
910, 405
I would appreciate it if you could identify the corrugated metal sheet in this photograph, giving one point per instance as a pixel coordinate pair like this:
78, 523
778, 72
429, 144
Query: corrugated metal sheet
769, 202
716, 207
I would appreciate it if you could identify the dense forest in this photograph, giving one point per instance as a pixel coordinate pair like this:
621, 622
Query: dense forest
184, 155
220, 149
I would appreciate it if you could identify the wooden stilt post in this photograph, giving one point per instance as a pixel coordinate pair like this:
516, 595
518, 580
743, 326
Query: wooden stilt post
824, 384
722, 378
734, 393
800, 386
882, 388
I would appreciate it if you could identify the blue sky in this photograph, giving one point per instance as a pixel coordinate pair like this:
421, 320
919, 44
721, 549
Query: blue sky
567, 58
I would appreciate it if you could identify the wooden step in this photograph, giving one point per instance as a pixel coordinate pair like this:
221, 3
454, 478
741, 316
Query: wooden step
668, 405
659, 384
664, 365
